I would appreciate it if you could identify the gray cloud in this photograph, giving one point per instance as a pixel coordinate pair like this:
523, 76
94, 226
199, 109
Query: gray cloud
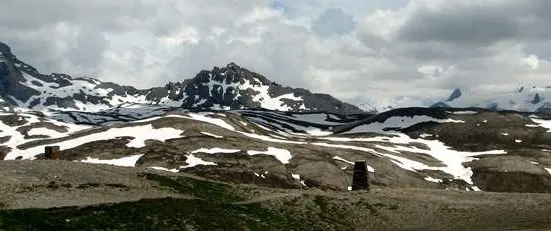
479, 27
333, 21
479, 24
87, 48
107, 15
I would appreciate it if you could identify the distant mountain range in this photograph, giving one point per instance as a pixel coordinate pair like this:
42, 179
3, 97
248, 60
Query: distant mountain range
226, 88
533, 99
520, 99
223, 88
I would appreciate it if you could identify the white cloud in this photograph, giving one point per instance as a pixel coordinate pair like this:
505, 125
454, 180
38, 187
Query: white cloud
531, 61
256, 15
187, 34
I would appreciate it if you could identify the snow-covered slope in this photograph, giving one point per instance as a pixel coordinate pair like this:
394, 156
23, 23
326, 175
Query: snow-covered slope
403, 148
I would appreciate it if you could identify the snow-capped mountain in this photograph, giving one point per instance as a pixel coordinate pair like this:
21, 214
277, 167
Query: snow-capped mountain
230, 87
234, 87
517, 99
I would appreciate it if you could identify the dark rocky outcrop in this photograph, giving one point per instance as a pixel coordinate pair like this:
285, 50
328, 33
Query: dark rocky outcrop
537, 99
455, 94
510, 174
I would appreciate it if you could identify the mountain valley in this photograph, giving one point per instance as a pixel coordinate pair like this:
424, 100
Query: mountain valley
229, 141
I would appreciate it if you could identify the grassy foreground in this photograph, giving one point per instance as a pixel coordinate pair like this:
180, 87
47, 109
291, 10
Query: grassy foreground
209, 205
211, 210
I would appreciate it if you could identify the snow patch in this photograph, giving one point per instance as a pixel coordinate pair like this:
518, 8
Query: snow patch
452, 159
464, 112
282, 155
317, 132
215, 150
193, 161
44, 131
343, 160
428, 178
164, 169
140, 134
543, 123
212, 135
129, 161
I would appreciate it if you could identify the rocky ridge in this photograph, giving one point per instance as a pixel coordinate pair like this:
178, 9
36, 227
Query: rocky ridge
227, 88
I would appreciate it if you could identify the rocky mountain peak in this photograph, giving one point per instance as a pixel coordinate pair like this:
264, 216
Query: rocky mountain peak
233, 73
455, 94
229, 87
4, 48
536, 99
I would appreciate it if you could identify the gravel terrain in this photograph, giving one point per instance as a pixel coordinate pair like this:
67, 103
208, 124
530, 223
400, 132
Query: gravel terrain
45, 184
51, 184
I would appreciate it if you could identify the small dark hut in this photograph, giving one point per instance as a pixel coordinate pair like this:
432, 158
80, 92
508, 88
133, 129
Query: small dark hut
360, 178
51, 152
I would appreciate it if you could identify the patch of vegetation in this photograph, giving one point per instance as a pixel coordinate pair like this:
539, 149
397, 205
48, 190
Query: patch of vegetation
120, 186
198, 188
368, 206
95, 185
211, 210
52, 185
66, 185
13, 120
148, 214
88, 185
320, 213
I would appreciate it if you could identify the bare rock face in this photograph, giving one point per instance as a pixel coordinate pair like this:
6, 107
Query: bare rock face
4, 49
3, 151
510, 174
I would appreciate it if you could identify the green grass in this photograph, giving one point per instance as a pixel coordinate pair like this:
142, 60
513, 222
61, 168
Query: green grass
213, 191
148, 214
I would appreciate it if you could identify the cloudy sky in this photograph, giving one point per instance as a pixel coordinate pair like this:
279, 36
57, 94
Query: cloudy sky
381, 51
